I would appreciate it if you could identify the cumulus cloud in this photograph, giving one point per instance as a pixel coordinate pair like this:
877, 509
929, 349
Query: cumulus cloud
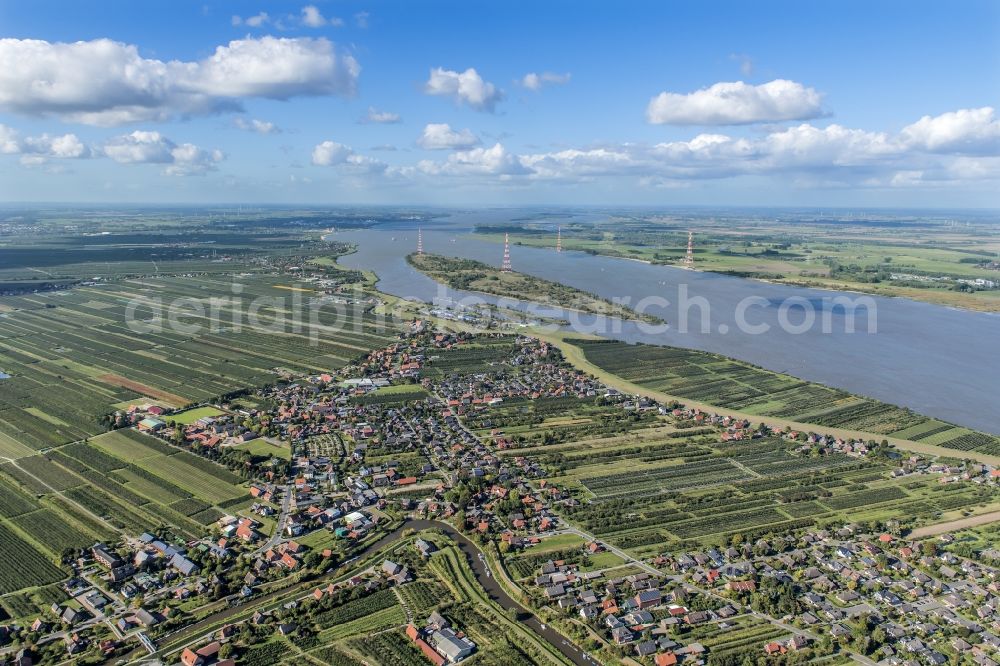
533, 81
254, 125
330, 153
312, 18
494, 161
440, 136
381, 117
334, 154
36, 150
147, 147
65, 146
736, 103
967, 131
276, 69
361, 19
103, 82
956, 147
466, 87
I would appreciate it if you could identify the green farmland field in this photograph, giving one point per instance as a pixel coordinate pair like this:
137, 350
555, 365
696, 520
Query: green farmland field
75, 356
203, 479
730, 384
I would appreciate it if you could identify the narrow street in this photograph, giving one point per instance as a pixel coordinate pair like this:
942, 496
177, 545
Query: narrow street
275, 538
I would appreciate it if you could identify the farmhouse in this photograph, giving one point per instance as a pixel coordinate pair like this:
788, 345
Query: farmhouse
452, 646
151, 425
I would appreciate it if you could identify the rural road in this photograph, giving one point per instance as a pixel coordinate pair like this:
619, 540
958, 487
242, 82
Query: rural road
648, 568
497, 593
957, 524
479, 568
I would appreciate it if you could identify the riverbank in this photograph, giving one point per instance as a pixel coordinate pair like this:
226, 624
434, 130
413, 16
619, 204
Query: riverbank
575, 356
766, 269
476, 276
904, 354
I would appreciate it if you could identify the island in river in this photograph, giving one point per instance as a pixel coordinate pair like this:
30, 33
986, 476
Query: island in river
471, 275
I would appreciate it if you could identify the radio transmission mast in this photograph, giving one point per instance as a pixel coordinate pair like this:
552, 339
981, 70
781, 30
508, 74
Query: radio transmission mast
505, 267
689, 259
559, 239
420, 241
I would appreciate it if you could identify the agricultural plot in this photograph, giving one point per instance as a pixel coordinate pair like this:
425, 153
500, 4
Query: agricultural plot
118, 481
468, 358
390, 647
33, 567
14, 503
201, 478
369, 629
262, 447
657, 480
661, 496
189, 416
422, 596
552, 420
730, 384
40, 475
53, 531
74, 356
748, 634
392, 395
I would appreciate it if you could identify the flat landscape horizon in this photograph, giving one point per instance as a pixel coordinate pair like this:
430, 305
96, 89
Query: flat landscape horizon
345, 333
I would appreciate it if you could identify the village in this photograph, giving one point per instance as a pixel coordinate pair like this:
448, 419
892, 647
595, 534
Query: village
361, 458
890, 599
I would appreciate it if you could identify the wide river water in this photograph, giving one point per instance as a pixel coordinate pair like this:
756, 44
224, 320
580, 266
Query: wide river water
939, 361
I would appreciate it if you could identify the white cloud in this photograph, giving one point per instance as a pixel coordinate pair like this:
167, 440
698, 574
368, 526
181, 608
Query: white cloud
312, 18
65, 146
35, 150
332, 153
140, 147
954, 148
361, 19
533, 81
834, 146
495, 161
252, 21
736, 103
440, 136
967, 131
189, 159
102, 82
146, 147
276, 68
254, 125
258, 20
381, 117
466, 87
9, 144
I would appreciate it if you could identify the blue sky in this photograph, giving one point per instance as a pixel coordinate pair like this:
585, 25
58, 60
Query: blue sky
847, 103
